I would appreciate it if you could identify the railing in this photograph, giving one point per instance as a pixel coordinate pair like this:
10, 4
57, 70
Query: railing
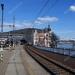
64, 51
50, 65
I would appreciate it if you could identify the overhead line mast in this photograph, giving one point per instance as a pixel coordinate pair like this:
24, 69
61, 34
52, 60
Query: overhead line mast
2, 8
13, 23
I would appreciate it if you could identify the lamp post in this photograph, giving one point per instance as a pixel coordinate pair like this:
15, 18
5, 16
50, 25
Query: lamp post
2, 7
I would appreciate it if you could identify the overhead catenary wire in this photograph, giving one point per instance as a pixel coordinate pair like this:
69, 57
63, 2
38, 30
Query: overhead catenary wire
51, 7
43, 7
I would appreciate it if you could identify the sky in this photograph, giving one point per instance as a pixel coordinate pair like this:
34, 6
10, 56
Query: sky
59, 14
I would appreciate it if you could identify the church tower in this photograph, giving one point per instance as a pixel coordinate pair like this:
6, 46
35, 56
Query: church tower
49, 28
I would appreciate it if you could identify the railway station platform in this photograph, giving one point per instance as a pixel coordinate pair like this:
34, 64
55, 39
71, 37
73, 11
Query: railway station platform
18, 62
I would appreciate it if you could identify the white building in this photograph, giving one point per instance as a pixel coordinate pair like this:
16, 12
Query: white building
42, 38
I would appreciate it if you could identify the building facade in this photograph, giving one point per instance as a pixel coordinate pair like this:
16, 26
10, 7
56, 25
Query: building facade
42, 38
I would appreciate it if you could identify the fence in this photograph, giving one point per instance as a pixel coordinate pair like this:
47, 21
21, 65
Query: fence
64, 51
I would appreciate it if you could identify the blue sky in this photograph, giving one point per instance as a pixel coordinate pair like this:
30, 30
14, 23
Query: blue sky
60, 14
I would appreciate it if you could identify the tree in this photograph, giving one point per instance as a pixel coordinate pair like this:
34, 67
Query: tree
54, 40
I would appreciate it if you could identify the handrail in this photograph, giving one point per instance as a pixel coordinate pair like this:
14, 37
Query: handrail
64, 51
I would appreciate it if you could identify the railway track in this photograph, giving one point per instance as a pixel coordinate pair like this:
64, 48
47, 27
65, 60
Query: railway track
53, 67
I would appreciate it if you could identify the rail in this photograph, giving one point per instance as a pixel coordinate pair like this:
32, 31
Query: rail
50, 65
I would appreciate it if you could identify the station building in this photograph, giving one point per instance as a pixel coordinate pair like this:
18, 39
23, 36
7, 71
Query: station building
42, 38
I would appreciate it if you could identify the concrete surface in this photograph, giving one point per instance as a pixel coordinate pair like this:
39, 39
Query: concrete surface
21, 63
31, 65
15, 65
4, 63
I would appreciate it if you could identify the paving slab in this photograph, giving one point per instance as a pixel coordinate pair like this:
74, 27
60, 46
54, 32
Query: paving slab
15, 65
21, 63
4, 63
31, 65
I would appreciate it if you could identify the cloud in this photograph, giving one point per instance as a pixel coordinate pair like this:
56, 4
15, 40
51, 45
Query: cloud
46, 19
26, 24
66, 34
18, 25
29, 24
72, 8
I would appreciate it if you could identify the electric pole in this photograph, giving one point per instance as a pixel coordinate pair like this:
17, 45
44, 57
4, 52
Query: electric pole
2, 8
13, 31
13, 23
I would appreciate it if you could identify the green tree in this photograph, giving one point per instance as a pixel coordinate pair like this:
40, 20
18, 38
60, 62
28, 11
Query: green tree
54, 40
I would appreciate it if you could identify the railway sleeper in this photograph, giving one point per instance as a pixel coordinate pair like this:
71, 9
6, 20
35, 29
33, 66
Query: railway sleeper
49, 65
